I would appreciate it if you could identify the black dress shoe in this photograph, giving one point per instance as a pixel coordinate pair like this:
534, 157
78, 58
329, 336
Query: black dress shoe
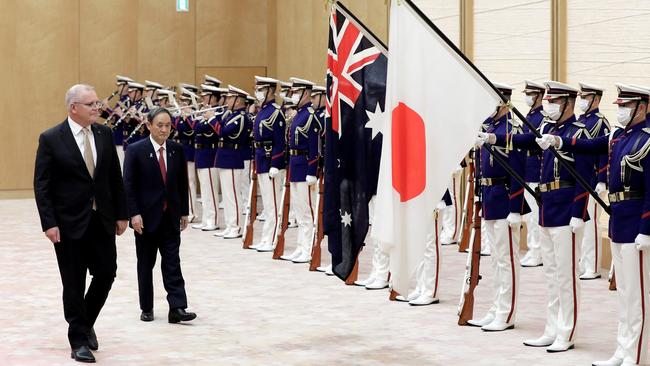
146, 316
92, 340
180, 315
82, 354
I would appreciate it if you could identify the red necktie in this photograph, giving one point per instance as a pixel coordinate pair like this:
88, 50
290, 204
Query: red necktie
163, 170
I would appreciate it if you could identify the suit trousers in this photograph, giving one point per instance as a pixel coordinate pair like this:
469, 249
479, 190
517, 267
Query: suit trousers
166, 240
94, 252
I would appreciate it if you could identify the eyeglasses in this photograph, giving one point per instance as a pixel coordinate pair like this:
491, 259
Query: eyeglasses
96, 104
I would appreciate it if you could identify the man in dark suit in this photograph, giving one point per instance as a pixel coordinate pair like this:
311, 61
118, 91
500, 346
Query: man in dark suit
81, 202
155, 177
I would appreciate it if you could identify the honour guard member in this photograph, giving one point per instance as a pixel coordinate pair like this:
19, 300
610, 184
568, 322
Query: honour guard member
247, 152
211, 80
502, 221
205, 148
269, 142
447, 211
150, 98
134, 116
112, 115
562, 217
231, 132
629, 222
184, 135
304, 134
534, 93
597, 125
191, 87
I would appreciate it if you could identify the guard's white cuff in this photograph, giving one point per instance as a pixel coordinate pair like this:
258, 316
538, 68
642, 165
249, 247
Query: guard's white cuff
642, 242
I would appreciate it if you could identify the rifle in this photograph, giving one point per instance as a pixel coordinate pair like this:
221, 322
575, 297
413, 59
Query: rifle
466, 219
318, 234
251, 215
283, 219
472, 275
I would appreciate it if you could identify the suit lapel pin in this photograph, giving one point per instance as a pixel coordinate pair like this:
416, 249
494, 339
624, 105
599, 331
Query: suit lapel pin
151, 155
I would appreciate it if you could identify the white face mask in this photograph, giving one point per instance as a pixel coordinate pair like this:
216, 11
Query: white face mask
295, 97
530, 100
583, 104
624, 115
260, 95
552, 110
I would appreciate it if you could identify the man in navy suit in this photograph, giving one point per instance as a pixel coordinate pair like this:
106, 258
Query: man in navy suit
155, 179
81, 202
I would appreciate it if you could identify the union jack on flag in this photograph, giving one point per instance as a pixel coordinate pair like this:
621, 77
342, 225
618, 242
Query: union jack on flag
356, 87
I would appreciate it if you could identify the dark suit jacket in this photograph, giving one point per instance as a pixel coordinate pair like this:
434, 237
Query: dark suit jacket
63, 188
145, 188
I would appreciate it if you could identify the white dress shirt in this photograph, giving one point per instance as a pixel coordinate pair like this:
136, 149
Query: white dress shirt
156, 147
77, 132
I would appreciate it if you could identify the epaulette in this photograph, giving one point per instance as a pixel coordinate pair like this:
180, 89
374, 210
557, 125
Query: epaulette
275, 105
646, 130
579, 124
600, 115
311, 110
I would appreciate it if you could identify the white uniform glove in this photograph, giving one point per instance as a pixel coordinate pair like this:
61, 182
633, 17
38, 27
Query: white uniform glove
576, 224
547, 141
514, 220
484, 138
311, 180
458, 169
642, 242
273, 172
600, 187
441, 205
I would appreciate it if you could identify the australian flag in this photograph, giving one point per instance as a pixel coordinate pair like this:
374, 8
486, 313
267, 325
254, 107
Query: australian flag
356, 89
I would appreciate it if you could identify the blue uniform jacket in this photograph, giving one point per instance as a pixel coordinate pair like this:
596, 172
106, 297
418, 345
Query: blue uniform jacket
494, 197
205, 142
533, 156
184, 135
303, 138
560, 205
597, 126
232, 135
269, 130
629, 217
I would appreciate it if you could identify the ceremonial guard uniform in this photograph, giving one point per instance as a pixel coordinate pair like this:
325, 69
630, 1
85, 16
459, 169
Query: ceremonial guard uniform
247, 153
133, 119
269, 142
205, 148
534, 95
629, 222
184, 135
597, 125
562, 217
150, 99
304, 132
231, 131
502, 222
112, 115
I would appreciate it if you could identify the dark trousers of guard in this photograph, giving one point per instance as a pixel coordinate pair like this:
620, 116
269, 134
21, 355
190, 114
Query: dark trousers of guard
94, 252
166, 240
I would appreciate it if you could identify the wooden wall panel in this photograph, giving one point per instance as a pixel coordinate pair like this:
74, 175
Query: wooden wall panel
107, 33
231, 32
8, 102
241, 77
165, 42
45, 63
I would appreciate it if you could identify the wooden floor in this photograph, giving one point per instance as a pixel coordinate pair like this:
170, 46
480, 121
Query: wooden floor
253, 310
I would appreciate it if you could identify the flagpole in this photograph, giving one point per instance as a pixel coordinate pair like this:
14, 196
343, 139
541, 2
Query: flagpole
572, 171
